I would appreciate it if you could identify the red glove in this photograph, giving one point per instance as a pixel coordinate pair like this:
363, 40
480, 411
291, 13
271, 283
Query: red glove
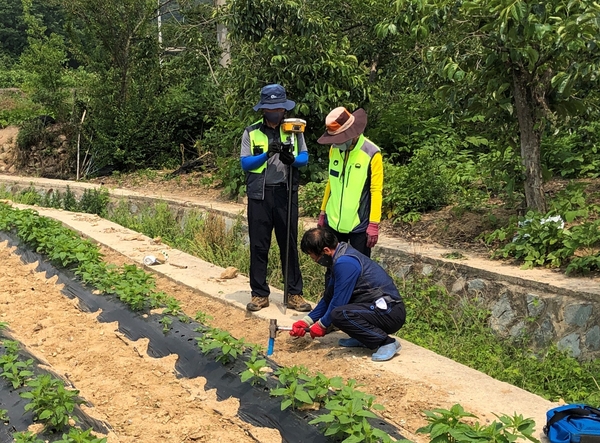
372, 234
321, 221
299, 328
318, 330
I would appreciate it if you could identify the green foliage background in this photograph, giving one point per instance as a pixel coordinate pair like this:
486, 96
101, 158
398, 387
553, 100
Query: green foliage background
155, 97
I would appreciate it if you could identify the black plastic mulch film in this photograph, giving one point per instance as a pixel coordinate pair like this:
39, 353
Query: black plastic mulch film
257, 406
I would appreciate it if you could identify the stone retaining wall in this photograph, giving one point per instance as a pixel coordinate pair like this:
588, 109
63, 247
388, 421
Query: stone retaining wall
537, 310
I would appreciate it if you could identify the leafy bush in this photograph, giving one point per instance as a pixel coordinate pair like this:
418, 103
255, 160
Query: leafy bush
299, 389
11, 78
502, 173
231, 176
34, 132
94, 201
417, 187
545, 239
573, 152
16, 108
310, 197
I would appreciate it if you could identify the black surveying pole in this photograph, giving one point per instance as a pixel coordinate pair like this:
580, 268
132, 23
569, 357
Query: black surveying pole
286, 272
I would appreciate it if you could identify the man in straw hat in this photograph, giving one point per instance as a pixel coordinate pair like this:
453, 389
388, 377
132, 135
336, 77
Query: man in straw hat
353, 195
266, 163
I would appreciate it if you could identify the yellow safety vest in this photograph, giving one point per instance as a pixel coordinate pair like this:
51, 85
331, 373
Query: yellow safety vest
259, 139
347, 179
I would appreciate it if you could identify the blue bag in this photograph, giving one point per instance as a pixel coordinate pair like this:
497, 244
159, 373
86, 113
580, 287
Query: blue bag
575, 423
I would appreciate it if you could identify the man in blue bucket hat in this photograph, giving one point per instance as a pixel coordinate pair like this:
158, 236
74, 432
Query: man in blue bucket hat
267, 161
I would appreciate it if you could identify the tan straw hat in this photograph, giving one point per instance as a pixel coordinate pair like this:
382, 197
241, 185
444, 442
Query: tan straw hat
343, 126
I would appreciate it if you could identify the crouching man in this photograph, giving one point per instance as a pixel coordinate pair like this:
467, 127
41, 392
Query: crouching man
360, 298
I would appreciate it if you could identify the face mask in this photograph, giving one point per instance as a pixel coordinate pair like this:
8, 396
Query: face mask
274, 117
343, 146
325, 260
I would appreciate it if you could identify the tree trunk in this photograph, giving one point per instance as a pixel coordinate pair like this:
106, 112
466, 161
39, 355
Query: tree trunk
530, 142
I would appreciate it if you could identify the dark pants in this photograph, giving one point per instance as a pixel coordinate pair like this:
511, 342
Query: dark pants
264, 216
369, 324
357, 240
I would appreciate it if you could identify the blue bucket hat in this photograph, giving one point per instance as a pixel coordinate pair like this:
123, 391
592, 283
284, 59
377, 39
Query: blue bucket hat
273, 97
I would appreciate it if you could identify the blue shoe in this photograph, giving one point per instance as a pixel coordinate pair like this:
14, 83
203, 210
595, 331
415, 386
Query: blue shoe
350, 343
386, 352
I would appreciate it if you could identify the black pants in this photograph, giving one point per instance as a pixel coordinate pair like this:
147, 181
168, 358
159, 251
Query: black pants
369, 324
264, 216
357, 240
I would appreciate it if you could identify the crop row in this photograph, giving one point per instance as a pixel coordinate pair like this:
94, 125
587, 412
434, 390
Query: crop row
50, 402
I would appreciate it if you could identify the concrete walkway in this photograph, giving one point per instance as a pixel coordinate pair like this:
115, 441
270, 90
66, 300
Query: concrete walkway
475, 391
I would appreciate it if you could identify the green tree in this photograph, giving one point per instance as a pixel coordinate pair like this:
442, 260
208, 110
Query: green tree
533, 62
13, 29
117, 42
45, 60
302, 47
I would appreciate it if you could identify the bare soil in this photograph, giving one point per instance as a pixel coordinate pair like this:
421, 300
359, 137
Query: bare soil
139, 396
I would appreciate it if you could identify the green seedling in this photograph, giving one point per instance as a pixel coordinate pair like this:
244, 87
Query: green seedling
166, 323
51, 403
287, 375
302, 390
157, 299
255, 366
319, 387
172, 306
228, 347
17, 372
11, 346
3, 325
4, 415
447, 426
79, 436
347, 419
349, 410
8, 359
26, 437
184, 318
293, 395
203, 317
